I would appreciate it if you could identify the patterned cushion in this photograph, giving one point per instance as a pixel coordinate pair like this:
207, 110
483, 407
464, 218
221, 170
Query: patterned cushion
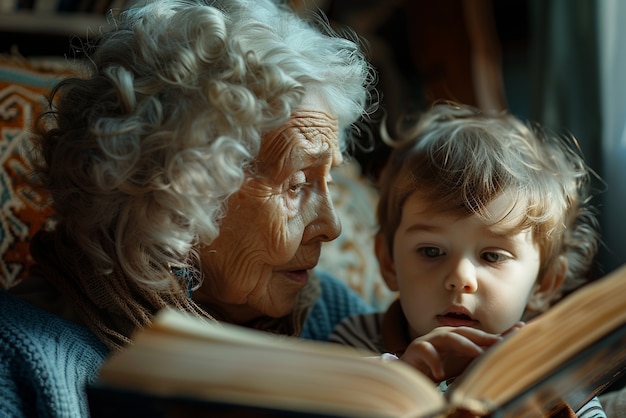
23, 209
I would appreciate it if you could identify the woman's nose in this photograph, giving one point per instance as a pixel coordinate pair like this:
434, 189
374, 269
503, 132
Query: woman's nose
462, 277
326, 226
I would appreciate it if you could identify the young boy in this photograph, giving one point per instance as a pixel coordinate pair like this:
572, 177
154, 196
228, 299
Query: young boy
484, 222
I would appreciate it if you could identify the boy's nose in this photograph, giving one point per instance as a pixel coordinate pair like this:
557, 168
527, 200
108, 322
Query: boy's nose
462, 277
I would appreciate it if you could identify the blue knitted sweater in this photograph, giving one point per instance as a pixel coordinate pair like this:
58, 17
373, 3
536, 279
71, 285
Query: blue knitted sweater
46, 361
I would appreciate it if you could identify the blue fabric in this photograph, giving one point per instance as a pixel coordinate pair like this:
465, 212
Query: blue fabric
336, 302
45, 362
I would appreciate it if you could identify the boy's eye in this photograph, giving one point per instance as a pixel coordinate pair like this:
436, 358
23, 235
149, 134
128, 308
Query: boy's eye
492, 257
431, 252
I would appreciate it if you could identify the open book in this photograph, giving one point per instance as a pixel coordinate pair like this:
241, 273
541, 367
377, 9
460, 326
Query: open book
184, 366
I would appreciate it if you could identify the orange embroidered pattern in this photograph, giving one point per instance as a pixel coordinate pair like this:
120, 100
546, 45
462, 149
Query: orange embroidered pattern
23, 208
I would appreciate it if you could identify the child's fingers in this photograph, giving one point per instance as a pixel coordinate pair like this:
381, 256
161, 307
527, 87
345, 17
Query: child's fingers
443, 352
514, 328
476, 336
424, 357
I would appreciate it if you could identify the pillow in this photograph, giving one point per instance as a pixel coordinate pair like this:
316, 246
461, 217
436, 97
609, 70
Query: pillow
24, 209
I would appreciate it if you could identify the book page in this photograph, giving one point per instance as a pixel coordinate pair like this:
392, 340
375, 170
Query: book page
577, 381
185, 356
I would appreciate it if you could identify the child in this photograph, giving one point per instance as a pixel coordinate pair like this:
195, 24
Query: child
484, 222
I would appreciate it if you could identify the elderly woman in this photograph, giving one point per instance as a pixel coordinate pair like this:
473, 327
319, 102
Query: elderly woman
189, 167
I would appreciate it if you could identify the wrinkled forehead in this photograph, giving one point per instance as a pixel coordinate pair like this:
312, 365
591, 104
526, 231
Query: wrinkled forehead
307, 134
319, 129
316, 120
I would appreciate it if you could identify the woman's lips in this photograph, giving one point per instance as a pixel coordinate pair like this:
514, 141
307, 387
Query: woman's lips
298, 275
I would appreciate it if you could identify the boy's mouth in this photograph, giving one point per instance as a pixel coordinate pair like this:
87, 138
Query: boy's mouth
457, 317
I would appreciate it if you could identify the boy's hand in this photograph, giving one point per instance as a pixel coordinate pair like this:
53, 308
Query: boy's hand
445, 352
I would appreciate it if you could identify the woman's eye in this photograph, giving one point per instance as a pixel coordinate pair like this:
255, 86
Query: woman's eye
297, 188
297, 182
431, 252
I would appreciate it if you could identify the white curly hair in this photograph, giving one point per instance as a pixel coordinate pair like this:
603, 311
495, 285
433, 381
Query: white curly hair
146, 146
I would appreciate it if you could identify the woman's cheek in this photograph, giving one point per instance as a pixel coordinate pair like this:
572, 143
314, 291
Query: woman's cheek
286, 242
286, 226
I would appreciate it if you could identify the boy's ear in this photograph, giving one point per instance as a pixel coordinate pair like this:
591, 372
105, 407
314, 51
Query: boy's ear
548, 286
385, 262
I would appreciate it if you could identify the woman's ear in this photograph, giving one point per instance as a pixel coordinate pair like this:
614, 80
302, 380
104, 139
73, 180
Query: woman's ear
385, 262
547, 286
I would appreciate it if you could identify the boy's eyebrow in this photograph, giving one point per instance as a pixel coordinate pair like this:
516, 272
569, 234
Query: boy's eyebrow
490, 231
423, 227
498, 233
509, 234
